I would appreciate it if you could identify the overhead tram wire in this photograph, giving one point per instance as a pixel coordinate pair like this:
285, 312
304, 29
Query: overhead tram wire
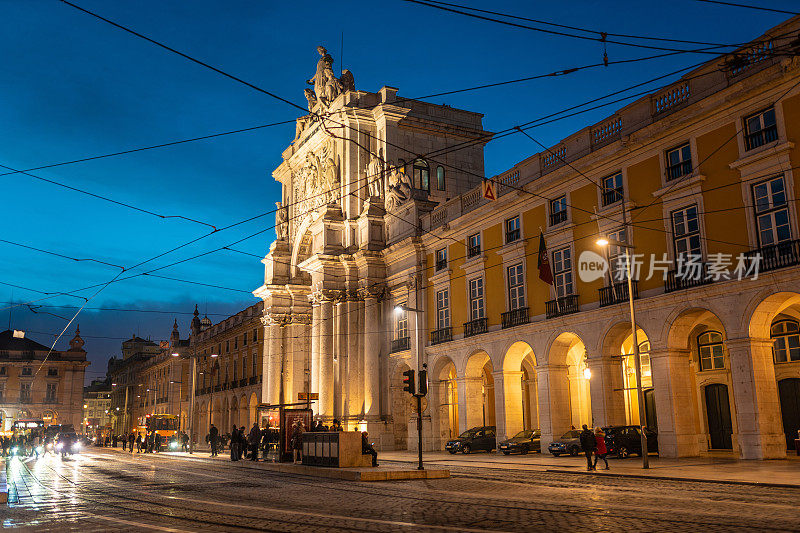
747, 6
77, 259
123, 309
599, 39
587, 30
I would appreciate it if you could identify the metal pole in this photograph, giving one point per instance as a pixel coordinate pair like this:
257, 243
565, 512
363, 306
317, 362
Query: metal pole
636, 356
419, 429
191, 401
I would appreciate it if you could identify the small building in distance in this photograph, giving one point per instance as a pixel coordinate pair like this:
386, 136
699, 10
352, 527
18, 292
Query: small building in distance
98, 417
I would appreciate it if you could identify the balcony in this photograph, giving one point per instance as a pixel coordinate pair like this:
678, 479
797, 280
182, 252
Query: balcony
473, 251
686, 280
475, 327
679, 169
243, 382
253, 380
217, 388
612, 196
512, 235
776, 256
617, 293
516, 317
441, 264
566, 305
398, 345
441, 335
761, 137
558, 217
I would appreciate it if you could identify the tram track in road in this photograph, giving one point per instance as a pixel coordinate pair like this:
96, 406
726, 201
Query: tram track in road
434, 492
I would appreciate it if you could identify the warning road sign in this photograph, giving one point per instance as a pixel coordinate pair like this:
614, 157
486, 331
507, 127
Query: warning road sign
487, 190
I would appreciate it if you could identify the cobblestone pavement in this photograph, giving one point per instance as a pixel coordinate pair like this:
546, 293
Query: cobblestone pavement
105, 490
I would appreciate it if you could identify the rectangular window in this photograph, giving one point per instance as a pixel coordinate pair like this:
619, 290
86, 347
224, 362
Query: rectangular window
562, 272
255, 335
236, 343
235, 371
512, 229
516, 287
244, 366
686, 233
558, 210
3, 370
441, 259
244, 339
612, 189
52, 371
227, 346
27, 371
679, 162
616, 255
255, 364
442, 309
476, 305
50, 395
2, 392
402, 325
474, 245
772, 212
25, 392
760, 129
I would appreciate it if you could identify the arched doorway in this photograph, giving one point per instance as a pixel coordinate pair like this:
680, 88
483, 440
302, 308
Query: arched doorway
477, 403
444, 393
520, 402
718, 415
789, 393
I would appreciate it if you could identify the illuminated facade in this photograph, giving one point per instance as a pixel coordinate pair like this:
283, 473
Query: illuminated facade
702, 168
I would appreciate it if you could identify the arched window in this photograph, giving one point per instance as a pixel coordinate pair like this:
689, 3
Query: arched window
644, 364
709, 349
786, 346
422, 175
440, 178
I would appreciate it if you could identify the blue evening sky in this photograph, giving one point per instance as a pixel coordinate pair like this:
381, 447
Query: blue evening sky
72, 86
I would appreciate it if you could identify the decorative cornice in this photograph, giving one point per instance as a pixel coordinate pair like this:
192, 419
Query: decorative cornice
377, 291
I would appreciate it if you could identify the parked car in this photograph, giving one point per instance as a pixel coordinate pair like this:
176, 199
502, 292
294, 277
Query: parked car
625, 440
569, 443
477, 438
528, 440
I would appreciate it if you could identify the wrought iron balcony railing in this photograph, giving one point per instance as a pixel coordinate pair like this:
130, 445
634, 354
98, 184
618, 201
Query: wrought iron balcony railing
475, 327
398, 345
617, 293
441, 335
515, 317
565, 305
776, 256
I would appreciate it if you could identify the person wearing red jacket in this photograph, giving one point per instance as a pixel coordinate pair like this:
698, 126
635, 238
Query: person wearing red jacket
601, 450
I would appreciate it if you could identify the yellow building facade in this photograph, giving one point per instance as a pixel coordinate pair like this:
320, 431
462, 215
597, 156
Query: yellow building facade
699, 179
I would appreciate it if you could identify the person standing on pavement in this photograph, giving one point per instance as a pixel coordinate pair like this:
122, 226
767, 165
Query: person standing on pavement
589, 445
131, 440
253, 439
297, 440
235, 444
601, 450
213, 435
138, 443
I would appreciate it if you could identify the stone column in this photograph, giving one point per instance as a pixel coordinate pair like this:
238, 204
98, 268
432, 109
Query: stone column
470, 402
372, 349
675, 411
755, 393
276, 349
508, 403
315, 346
326, 390
605, 388
265, 368
554, 402
354, 374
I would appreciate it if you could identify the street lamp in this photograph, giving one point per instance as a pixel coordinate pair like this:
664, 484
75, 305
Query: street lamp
602, 242
399, 309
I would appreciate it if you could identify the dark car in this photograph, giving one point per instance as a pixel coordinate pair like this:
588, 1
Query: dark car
528, 440
67, 443
569, 443
477, 438
625, 440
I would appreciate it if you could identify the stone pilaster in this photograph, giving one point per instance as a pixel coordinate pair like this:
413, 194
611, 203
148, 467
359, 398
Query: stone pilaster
326, 352
673, 389
508, 402
605, 384
554, 402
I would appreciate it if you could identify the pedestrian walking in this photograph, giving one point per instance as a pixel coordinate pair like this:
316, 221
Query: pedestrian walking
242, 442
114, 441
124, 442
235, 444
253, 439
138, 443
601, 450
213, 435
588, 444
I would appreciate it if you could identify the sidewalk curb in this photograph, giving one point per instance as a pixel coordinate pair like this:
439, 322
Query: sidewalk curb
672, 478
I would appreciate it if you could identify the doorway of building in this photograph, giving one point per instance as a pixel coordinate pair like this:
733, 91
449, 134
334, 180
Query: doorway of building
789, 392
651, 421
718, 412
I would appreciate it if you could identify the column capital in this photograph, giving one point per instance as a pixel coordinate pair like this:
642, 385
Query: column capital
321, 296
376, 291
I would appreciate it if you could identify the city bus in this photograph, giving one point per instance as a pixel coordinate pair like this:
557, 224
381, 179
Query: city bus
164, 425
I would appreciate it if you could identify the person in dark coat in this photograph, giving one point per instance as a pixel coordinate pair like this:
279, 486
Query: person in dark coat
234, 444
253, 439
337, 426
367, 448
131, 440
213, 437
243, 446
138, 443
297, 440
588, 445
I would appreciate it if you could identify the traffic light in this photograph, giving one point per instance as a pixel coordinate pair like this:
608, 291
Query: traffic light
423, 382
408, 381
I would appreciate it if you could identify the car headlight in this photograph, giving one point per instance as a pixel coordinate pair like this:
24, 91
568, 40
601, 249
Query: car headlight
76, 446
59, 445
173, 445
50, 446
14, 450
39, 449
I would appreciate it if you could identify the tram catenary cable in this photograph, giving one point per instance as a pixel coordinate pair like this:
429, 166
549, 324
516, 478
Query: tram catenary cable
600, 39
747, 6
